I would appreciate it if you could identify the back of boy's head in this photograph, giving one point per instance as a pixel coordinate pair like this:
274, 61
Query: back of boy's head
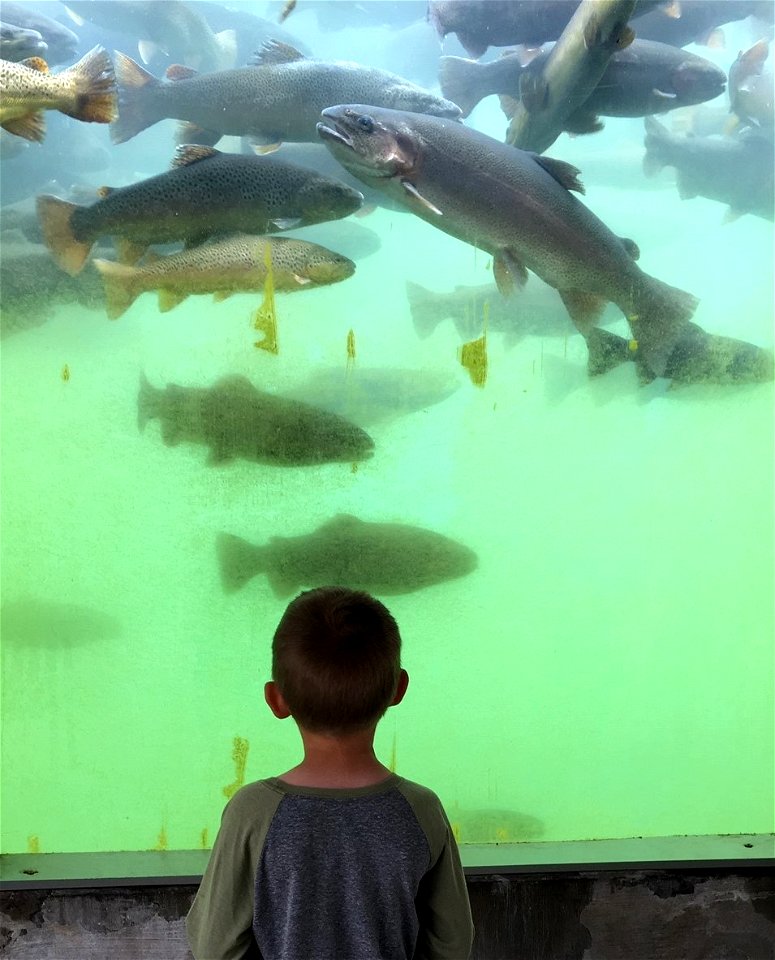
336, 657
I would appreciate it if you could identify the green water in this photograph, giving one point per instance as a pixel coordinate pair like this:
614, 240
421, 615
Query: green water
607, 671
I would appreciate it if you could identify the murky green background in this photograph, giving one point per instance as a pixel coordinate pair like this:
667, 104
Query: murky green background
607, 671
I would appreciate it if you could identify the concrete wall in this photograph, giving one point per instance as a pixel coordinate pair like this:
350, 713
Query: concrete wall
602, 915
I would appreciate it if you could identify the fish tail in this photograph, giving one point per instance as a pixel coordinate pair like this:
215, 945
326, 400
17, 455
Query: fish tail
147, 402
606, 351
461, 82
421, 306
238, 560
658, 320
55, 218
94, 85
657, 142
121, 286
136, 89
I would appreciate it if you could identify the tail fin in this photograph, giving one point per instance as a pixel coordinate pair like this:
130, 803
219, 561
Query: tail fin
657, 142
239, 561
461, 82
94, 84
422, 306
147, 402
136, 92
659, 320
607, 350
55, 221
121, 286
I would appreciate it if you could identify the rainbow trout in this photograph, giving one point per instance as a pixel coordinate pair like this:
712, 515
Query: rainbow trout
517, 206
86, 91
206, 193
222, 267
278, 99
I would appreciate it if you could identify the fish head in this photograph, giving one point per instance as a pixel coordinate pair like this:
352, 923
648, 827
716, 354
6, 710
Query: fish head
18, 43
323, 266
323, 198
697, 80
372, 143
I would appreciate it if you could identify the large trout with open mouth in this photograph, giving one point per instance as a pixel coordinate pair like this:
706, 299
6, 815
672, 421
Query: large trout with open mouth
517, 206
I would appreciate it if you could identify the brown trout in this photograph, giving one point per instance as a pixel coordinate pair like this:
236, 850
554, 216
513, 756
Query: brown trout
222, 267
206, 193
86, 91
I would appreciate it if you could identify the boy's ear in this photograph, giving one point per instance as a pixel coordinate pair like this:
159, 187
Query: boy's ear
275, 700
403, 683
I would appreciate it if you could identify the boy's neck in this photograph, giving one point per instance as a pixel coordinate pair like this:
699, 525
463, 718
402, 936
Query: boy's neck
337, 761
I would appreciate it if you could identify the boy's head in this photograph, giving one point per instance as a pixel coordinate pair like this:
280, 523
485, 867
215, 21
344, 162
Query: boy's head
336, 659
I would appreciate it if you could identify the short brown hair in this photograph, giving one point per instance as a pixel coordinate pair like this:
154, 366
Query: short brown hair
336, 657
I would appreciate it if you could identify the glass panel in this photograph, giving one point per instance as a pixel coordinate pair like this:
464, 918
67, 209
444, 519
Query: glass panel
604, 671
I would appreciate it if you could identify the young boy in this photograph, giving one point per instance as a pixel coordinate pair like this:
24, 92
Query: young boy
337, 859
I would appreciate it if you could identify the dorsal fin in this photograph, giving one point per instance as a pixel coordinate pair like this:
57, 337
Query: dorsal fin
236, 383
176, 71
103, 192
564, 173
36, 63
274, 51
188, 153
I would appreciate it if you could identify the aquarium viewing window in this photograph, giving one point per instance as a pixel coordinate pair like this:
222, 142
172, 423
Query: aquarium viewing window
581, 567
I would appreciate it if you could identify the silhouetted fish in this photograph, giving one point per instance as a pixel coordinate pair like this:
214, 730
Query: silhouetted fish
236, 420
382, 558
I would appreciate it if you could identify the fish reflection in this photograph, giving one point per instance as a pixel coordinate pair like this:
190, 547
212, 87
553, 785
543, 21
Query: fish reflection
50, 623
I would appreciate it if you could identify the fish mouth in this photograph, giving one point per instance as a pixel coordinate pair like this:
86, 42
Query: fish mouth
330, 130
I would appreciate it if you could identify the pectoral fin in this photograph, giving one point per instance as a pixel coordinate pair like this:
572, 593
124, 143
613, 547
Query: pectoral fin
584, 308
411, 189
509, 272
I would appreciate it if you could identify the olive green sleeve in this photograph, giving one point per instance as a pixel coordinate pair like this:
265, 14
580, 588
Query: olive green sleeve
219, 924
446, 927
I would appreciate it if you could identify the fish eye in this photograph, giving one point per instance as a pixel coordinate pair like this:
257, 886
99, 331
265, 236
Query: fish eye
366, 123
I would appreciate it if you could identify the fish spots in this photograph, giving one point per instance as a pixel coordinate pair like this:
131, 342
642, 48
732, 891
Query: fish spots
33, 843
239, 754
265, 318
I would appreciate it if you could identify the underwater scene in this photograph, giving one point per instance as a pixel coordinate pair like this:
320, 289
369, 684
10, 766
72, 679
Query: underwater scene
468, 304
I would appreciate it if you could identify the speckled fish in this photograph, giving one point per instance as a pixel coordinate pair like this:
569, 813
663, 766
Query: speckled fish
206, 193
278, 99
736, 171
517, 206
86, 91
222, 267
171, 27
480, 24
236, 420
382, 558
645, 78
17, 43
698, 357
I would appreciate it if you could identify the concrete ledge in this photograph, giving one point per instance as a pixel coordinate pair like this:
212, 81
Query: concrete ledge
180, 867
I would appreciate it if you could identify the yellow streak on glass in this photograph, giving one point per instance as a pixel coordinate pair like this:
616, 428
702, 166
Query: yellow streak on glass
33, 843
204, 838
65, 373
393, 757
473, 355
162, 843
239, 755
350, 349
456, 833
265, 318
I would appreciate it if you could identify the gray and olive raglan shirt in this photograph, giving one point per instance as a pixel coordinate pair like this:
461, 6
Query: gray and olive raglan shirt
307, 873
